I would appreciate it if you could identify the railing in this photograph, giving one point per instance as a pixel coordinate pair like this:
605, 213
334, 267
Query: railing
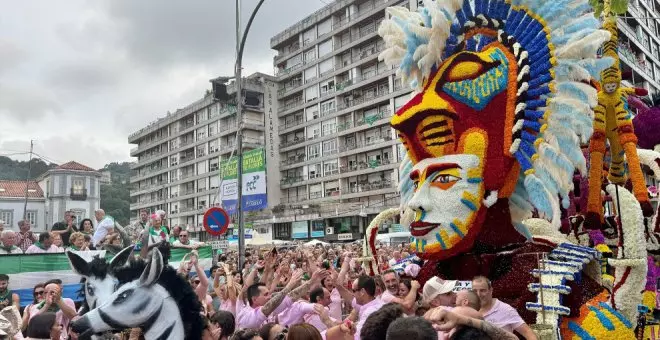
293, 123
295, 83
371, 119
365, 97
364, 187
292, 180
295, 141
353, 146
78, 194
360, 79
290, 105
372, 164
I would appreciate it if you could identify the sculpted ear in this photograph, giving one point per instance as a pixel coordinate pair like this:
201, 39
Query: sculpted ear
78, 264
121, 258
153, 269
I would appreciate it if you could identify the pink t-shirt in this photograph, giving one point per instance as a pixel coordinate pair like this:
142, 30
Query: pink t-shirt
387, 297
504, 316
335, 305
249, 317
294, 314
365, 311
229, 306
59, 316
315, 320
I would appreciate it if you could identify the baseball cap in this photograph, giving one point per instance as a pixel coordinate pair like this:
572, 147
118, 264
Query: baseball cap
437, 286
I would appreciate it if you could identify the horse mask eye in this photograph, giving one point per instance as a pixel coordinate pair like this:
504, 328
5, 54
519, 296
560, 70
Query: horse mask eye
90, 290
123, 296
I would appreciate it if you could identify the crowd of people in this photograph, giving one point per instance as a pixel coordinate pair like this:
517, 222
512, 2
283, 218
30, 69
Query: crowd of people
292, 292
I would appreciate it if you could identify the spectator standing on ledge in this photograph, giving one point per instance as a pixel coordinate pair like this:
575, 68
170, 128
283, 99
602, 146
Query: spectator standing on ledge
65, 228
25, 237
135, 230
105, 226
8, 243
185, 242
44, 245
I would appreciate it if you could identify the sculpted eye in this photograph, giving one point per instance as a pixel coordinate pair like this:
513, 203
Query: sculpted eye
416, 184
468, 66
445, 179
123, 296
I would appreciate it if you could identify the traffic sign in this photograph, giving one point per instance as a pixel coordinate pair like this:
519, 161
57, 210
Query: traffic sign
216, 221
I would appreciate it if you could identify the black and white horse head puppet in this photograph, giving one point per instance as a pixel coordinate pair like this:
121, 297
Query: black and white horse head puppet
147, 296
98, 279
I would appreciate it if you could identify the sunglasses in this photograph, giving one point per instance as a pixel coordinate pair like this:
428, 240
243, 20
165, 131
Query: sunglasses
39, 292
196, 282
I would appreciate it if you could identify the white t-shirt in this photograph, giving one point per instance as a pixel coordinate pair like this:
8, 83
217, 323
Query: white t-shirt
102, 230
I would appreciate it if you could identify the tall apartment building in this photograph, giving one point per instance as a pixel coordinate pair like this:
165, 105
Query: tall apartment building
179, 155
339, 157
639, 44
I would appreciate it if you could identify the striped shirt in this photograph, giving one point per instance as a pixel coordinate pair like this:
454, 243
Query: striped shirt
24, 241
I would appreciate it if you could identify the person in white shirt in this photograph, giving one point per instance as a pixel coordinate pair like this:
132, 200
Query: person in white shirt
185, 242
44, 245
105, 226
8, 243
365, 296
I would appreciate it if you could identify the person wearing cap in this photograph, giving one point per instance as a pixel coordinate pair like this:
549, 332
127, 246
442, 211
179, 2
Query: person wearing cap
497, 312
439, 293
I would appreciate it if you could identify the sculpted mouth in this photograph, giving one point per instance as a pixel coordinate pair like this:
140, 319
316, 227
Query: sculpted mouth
421, 228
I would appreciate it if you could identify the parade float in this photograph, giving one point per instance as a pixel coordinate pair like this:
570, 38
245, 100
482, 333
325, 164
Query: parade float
507, 95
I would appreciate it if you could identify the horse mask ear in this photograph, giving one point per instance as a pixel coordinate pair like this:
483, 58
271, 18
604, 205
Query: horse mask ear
78, 264
121, 258
153, 269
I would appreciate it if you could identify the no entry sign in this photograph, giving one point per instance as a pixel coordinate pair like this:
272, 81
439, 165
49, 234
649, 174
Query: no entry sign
216, 221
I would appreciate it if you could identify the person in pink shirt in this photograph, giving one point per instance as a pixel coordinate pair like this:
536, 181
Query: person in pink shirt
391, 280
497, 312
320, 318
43, 245
261, 304
64, 308
439, 293
365, 295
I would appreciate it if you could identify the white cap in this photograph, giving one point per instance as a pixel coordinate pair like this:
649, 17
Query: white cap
437, 286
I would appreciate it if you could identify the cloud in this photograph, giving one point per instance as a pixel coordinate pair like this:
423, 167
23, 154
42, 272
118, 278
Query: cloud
92, 72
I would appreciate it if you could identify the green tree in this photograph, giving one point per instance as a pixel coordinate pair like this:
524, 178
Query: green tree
115, 197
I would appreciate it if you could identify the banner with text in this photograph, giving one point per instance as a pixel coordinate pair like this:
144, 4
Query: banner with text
254, 182
272, 143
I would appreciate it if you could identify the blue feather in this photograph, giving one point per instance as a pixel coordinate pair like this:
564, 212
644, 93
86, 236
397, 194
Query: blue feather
538, 195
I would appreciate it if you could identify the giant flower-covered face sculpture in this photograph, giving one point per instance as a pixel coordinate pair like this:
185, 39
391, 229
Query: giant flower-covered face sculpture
501, 106
455, 131
447, 199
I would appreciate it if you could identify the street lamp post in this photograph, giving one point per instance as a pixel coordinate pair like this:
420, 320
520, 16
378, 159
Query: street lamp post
240, 44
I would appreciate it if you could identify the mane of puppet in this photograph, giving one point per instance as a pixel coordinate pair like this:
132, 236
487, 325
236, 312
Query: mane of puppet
555, 43
99, 268
178, 288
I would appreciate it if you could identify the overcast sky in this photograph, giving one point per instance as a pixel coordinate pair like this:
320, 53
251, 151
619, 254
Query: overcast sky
79, 76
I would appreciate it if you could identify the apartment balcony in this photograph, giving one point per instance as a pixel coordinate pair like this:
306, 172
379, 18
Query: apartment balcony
289, 105
293, 123
369, 120
362, 165
78, 194
367, 187
358, 145
289, 87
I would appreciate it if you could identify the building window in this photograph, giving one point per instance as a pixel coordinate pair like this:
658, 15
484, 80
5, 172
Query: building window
31, 215
77, 186
8, 217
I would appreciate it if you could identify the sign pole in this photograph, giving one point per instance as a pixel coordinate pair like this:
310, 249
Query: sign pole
240, 44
